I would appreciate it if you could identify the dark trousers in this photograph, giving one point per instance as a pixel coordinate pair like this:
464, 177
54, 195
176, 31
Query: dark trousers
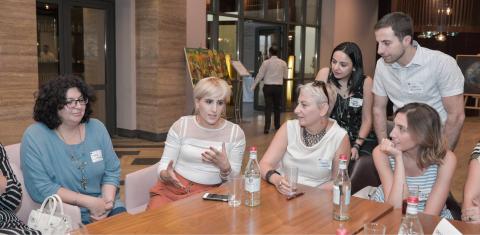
273, 101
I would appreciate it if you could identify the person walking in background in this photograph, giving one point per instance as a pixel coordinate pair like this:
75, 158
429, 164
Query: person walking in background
272, 71
416, 156
471, 193
353, 110
409, 73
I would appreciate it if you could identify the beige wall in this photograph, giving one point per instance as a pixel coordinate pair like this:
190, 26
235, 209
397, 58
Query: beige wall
160, 64
349, 20
18, 67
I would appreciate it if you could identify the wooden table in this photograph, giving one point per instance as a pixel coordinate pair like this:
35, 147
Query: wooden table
393, 219
310, 213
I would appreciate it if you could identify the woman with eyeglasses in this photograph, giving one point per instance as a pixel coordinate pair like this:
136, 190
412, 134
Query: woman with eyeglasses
353, 110
70, 154
201, 150
313, 142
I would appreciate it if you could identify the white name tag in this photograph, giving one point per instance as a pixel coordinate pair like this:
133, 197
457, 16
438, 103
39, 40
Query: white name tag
96, 156
415, 87
325, 164
355, 102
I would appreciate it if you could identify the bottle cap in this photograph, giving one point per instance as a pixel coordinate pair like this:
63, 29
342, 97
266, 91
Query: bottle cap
253, 149
412, 199
343, 157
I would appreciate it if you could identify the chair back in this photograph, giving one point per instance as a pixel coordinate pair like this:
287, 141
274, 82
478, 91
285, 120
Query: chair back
27, 204
137, 188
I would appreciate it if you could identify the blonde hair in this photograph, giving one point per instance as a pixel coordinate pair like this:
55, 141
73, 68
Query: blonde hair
212, 86
425, 127
316, 90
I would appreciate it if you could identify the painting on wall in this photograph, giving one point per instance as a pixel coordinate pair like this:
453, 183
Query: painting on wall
470, 66
204, 63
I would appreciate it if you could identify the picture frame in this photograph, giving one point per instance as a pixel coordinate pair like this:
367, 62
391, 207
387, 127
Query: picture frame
470, 66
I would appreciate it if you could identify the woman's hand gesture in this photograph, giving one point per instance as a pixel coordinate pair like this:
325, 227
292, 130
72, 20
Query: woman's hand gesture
219, 158
168, 176
388, 147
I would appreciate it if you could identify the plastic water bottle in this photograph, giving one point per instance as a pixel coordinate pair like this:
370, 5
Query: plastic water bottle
341, 191
410, 222
252, 180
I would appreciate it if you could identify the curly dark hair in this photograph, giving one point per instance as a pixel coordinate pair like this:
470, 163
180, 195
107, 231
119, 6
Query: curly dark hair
51, 98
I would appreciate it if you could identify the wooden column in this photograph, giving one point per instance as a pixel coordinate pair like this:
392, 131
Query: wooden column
160, 65
18, 67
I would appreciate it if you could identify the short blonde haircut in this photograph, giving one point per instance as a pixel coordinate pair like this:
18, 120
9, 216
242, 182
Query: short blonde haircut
316, 90
212, 87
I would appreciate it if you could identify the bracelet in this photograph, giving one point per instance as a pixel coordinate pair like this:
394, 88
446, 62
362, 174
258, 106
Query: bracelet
223, 175
361, 138
357, 146
269, 174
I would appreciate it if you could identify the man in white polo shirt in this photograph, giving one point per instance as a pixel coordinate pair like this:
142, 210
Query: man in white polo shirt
272, 71
409, 73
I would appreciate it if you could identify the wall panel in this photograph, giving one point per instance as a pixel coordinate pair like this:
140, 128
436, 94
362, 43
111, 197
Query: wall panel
18, 67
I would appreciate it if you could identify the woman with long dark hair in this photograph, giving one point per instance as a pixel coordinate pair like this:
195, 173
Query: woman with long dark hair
353, 109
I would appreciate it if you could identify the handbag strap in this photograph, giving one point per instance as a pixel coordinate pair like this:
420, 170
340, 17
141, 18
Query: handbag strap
60, 202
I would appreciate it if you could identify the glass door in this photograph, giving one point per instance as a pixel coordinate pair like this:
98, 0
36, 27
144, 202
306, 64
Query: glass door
81, 33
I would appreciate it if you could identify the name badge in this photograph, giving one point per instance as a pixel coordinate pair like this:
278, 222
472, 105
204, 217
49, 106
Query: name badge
423, 194
325, 164
355, 102
415, 87
96, 156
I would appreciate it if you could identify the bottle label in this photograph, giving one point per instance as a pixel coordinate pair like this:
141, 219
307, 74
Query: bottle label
342, 165
412, 209
336, 195
252, 184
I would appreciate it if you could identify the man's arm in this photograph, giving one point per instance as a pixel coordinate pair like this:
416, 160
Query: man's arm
380, 116
455, 117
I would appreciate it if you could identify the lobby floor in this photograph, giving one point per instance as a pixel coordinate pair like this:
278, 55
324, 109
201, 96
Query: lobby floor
136, 154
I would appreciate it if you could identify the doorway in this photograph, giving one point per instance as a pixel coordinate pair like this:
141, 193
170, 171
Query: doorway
265, 37
77, 37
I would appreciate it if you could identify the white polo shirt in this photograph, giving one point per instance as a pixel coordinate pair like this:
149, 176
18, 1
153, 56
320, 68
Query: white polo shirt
272, 71
430, 76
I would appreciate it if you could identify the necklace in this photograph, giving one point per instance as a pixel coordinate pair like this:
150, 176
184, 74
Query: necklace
312, 139
80, 165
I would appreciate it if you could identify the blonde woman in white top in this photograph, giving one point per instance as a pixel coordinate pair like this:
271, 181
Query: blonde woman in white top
312, 142
201, 150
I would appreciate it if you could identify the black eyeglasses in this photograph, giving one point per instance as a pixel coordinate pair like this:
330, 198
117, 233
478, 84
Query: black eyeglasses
71, 103
323, 85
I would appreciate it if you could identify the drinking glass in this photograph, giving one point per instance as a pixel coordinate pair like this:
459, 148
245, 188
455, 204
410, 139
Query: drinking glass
374, 228
235, 187
291, 175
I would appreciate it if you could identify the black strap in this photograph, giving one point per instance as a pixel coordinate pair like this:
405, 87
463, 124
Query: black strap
269, 174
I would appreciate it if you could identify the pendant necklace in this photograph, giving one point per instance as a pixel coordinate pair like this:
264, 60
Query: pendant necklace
80, 165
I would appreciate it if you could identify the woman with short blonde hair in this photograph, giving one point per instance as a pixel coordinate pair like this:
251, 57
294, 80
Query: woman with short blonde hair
201, 150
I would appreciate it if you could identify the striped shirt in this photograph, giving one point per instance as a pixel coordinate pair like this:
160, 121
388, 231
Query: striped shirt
425, 184
10, 200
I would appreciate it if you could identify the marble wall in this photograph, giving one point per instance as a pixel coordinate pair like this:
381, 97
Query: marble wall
18, 67
160, 65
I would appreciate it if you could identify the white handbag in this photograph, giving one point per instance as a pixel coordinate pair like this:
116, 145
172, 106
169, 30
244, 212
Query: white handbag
50, 220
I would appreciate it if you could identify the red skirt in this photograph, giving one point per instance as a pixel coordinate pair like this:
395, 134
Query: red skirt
163, 193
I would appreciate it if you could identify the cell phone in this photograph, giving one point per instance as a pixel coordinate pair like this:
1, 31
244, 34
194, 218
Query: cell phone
215, 197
